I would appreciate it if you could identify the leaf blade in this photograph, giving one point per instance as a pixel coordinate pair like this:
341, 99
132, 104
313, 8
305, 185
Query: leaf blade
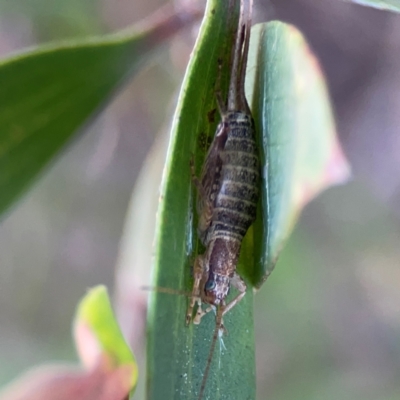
387, 5
177, 355
299, 148
49, 92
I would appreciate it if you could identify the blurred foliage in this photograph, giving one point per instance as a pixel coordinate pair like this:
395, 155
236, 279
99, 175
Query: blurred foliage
95, 327
328, 317
57, 19
109, 369
390, 5
50, 92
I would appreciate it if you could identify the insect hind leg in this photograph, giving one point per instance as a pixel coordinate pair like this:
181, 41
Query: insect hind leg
237, 282
194, 178
204, 205
198, 273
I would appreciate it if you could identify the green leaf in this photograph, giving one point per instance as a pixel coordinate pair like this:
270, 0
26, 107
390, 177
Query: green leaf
300, 152
98, 336
177, 355
295, 124
389, 5
49, 92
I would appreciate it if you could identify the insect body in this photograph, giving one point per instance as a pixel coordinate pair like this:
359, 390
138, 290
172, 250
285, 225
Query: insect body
228, 191
227, 205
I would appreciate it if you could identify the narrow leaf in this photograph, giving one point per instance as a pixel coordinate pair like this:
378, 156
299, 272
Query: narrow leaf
300, 151
389, 5
49, 92
177, 355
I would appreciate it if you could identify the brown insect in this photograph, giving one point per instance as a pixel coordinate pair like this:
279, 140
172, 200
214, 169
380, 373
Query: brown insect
228, 192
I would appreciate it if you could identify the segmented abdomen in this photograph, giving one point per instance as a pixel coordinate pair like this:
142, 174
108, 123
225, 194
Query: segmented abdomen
236, 201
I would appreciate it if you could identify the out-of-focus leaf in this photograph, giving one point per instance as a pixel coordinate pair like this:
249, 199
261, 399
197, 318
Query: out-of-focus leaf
56, 19
177, 355
47, 93
389, 5
97, 334
136, 245
63, 383
110, 369
300, 152
136, 254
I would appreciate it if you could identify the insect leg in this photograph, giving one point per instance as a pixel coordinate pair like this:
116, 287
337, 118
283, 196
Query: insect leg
198, 272
237, 282
200, 313
213, 342
204, 206
195, 179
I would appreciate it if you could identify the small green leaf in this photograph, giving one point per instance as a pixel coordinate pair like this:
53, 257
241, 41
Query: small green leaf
49, 92
98, 336
389, 5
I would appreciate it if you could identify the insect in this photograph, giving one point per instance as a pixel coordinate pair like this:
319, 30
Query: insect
228, 191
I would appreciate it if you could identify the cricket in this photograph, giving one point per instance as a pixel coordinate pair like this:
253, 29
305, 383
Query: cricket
228, 192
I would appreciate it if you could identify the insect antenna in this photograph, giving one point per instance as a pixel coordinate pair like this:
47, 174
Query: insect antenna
166, 290
218, 328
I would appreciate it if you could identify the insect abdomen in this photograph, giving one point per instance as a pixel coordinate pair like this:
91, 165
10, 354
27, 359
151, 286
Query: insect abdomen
236, 201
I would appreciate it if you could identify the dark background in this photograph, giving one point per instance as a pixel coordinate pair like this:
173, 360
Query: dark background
328, 320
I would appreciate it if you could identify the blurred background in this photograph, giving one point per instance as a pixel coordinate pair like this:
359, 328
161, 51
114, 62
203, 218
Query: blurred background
328, 318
